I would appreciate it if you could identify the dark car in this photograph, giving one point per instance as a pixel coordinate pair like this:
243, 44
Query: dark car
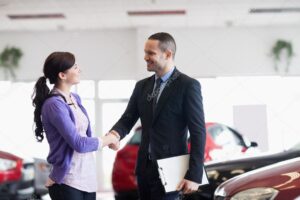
222, 171
123, 177
276, 182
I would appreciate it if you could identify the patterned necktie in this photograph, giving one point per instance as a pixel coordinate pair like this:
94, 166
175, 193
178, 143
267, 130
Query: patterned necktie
156, 91
155, 94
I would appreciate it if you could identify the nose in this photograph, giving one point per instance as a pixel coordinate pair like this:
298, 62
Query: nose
146, 58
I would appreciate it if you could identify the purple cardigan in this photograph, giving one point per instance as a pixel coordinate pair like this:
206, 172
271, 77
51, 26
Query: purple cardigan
59, 125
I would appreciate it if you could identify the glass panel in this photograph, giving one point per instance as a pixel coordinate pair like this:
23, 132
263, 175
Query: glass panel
86, 89
17, 127
226, 138
137, 137
214, 131
73, 89
296, 147
121, 89
4, 87
89, 105
110, 115
279, 94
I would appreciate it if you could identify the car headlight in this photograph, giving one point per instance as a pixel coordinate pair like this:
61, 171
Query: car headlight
213, 174
6, 164
256, 193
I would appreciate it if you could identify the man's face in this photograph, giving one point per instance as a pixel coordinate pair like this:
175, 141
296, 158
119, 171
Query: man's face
155, 58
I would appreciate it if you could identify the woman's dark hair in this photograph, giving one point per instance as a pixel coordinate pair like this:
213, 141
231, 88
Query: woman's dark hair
55, 63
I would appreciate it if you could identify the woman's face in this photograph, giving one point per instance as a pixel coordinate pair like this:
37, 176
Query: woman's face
73, 75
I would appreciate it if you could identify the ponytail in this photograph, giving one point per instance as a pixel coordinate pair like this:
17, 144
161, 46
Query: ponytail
40, 94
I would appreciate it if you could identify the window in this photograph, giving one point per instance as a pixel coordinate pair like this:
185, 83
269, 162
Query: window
223, 136
121, 89
105, 101
279, 94
137, 137
17, 121
114, 96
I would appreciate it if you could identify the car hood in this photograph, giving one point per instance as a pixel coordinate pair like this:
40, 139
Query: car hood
252, 162
26, 160
277, 176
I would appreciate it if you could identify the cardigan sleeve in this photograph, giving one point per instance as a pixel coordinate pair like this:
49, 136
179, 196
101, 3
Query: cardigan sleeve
58, 114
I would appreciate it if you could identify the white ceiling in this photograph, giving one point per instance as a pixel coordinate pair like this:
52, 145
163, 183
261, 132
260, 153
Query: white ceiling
99, 14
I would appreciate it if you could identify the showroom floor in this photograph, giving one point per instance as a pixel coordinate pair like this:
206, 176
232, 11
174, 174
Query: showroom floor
100, 196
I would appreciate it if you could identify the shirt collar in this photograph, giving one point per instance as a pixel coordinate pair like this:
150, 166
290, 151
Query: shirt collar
165, 77
56, 90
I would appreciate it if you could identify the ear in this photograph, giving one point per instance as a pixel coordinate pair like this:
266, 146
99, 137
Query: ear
61, 75
169, 54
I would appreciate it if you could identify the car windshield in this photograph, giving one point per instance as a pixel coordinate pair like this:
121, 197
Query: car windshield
224, 136
296, 147
136, 138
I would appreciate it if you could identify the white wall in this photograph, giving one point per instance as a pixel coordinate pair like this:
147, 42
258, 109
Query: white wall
251, 120
108, 54
118, 53
229, 51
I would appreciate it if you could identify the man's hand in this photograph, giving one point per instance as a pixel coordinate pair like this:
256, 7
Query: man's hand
187, 186
115, 146
112, 140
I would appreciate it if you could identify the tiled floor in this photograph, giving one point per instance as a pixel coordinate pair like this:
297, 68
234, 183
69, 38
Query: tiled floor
105, 196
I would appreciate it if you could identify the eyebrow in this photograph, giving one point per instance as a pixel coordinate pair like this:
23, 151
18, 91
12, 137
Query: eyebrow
149, 51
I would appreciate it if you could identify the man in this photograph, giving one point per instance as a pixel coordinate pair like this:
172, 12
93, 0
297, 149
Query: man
169, 104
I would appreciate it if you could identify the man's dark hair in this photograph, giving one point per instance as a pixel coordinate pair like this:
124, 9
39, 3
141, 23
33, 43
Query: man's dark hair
166, 41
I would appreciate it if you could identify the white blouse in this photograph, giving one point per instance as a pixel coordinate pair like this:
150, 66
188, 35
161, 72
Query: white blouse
82, 174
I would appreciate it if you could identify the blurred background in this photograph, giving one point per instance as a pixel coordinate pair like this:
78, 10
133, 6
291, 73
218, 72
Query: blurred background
245, 54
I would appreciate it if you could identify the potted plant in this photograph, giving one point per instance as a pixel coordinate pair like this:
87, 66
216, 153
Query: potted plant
277, 52
9, 60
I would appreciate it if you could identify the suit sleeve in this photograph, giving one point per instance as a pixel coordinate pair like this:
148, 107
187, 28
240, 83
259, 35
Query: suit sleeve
194, 114
130, 116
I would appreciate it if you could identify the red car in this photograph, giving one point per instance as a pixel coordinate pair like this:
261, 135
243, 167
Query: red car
221, 141
22, 178
16, 177
279, 181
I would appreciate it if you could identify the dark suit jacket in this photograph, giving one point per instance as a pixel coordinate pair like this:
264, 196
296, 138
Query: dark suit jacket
178, 110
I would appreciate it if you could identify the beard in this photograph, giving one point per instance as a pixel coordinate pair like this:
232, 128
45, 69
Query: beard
154, 67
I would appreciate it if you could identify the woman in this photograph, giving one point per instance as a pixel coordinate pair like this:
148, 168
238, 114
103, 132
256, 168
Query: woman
60, 114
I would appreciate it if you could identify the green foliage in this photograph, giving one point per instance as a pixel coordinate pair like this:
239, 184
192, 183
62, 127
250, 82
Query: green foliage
280, 46
9, 60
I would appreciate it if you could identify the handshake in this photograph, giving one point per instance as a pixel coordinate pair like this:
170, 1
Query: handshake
111, 139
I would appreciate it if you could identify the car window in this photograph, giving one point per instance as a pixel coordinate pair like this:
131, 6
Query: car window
223, 136
295, 147
136, 138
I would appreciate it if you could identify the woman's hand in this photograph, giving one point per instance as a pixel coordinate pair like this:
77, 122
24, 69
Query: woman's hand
49, 183
109, 139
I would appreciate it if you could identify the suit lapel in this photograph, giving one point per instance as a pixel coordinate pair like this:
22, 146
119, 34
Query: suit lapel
169, 88
148, 94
